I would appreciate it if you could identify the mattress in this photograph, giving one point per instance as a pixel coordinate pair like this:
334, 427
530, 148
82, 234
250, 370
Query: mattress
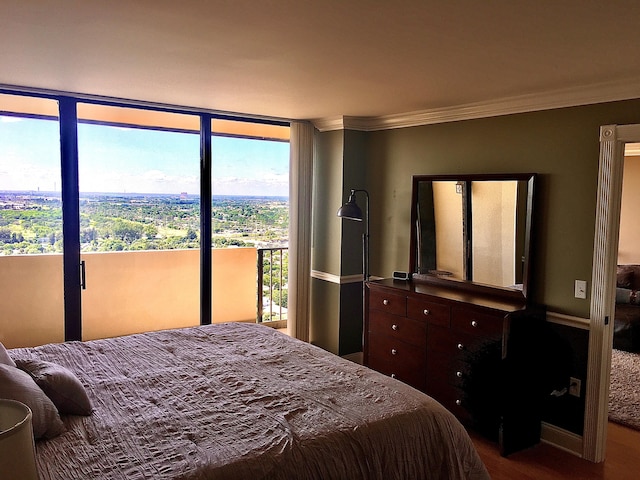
244, 401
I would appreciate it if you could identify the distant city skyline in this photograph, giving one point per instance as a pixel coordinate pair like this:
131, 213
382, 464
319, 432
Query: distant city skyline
132, 160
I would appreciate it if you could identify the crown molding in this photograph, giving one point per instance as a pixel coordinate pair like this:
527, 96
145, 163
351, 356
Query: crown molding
328, 124
562, 98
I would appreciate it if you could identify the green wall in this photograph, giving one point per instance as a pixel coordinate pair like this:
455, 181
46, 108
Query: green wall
327, 195
354, 177
336, 250
324, 320
561, 145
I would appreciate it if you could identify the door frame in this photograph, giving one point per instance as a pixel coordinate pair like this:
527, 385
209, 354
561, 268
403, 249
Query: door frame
605, 252
68, 118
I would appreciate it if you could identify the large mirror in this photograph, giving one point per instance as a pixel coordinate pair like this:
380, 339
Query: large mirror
474, 230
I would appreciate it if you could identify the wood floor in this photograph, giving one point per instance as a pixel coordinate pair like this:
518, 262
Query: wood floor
544, 462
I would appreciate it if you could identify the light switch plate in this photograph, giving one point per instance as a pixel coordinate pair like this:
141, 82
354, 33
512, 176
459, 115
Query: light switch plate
581, 289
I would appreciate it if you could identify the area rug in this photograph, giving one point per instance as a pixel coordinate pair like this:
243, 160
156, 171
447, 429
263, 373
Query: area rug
624, 396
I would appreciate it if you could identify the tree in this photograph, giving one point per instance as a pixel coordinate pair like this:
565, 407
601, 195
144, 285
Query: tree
5, 235
117, 223
280, 297
126, 230
112, 245
150, 231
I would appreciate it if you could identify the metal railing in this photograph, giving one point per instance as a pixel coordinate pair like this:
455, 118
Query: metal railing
273, 272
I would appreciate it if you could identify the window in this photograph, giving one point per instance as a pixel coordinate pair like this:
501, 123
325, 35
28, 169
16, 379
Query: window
250, 211
139, 198
30, 200
136, 246
31, 262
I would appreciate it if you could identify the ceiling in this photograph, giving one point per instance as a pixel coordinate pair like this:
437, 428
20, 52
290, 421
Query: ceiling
301, 59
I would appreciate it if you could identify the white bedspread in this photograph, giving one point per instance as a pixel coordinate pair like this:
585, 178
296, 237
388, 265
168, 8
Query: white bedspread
242, 401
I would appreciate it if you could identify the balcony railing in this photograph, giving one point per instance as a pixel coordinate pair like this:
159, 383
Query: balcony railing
273, 266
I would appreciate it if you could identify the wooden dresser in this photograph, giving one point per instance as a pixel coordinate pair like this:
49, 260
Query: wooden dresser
433, 337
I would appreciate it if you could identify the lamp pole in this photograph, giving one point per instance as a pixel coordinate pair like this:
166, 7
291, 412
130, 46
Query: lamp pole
365, 243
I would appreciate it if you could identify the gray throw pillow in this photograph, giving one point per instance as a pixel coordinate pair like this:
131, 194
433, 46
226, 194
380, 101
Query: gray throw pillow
625, 295
60, 385
18, 385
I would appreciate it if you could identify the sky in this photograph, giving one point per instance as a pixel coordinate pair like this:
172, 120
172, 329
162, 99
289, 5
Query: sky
129, 160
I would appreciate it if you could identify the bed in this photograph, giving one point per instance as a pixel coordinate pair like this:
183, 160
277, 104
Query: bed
242, 401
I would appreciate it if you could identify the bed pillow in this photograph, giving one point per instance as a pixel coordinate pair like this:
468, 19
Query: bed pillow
18, 385
60, 385
625, 295
5, 359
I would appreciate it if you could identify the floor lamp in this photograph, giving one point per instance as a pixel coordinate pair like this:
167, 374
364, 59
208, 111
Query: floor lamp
351, 211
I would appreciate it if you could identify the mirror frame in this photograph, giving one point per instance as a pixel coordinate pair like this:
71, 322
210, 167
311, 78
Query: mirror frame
469, 285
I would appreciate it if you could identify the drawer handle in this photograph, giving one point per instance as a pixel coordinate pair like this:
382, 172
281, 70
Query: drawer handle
385, 302
474, 323
460, 346
459, 374
394, 351
394, 327
458, 402
393, 375
426, 311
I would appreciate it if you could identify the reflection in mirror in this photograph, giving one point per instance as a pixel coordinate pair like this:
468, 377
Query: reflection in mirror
473, 228
440, 229
494, 248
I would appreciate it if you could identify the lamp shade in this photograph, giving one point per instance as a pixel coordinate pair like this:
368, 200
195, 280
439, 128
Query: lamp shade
17, 449
351, 210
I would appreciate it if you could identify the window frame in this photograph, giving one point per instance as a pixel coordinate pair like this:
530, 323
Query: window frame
69, 120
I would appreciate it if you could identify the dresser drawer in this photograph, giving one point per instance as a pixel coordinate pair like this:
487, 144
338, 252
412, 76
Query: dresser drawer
393, 350
474, 322
451, 398
400, 328
398, 359
439, 339
433, 312
384, 301
443, 368
416, 377
456, 345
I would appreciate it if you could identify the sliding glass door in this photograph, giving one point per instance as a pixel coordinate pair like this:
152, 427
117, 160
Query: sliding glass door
30, 222
139, 219
116, 219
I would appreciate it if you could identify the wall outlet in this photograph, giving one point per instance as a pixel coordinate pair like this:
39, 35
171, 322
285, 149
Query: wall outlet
581, 289
574, 386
